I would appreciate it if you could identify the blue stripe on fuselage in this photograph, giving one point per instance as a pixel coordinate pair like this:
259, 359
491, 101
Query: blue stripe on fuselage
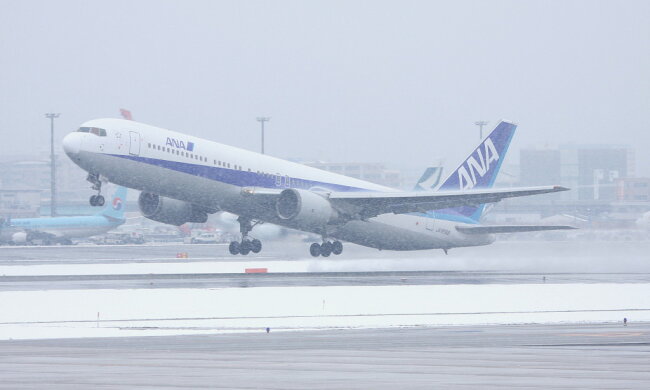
446, 217
240, 178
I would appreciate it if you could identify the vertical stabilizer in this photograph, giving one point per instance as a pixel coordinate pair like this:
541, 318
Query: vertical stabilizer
115, 208
479, 170
430, 179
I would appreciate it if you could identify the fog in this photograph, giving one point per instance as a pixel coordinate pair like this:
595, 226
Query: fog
395, 82
558, 261
263, 273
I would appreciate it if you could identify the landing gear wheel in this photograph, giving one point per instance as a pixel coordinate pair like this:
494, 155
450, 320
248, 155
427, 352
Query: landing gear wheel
314, 249
234, 248
96, 200
326, 249
245, 247
256, 246
337, 247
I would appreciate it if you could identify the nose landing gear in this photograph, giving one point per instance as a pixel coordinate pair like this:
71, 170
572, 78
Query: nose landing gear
246, 245
96, 200
326, 248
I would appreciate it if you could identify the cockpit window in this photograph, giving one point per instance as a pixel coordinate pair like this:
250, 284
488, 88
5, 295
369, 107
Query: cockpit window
93, 130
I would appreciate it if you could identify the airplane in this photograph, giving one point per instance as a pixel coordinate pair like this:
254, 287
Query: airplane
429, 180
184, 178
63, 229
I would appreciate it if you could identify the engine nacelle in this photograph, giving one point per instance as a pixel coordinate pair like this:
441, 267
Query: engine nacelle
168, 210
19, 238
305, 208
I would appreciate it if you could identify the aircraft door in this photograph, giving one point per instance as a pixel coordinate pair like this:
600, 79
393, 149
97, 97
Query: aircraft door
134, 145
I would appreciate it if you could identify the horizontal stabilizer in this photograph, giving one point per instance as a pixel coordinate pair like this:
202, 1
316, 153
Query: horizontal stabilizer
510, 228
370, 204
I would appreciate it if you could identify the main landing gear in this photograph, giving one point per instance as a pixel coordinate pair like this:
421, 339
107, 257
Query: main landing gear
96, 200
326, 248
246, 245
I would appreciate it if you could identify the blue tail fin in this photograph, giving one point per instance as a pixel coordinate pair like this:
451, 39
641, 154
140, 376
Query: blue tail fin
479, 170
115, 207
429, 180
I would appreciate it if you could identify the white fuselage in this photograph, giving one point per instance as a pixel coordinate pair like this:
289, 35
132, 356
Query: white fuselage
213, 175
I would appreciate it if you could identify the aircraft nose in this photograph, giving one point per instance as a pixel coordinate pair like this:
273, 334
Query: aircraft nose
72, 143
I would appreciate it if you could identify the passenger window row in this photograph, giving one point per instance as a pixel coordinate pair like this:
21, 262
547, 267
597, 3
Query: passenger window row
177, 152
222, 164
280, 180
183, 153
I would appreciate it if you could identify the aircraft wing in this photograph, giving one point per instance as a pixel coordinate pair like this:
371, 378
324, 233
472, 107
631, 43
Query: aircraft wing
510, 228
371, 204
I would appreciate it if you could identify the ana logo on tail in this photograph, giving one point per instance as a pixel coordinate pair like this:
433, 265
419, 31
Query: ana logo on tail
479, 162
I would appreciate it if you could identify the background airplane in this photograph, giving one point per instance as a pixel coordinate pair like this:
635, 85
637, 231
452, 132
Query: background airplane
430, 179
64, 229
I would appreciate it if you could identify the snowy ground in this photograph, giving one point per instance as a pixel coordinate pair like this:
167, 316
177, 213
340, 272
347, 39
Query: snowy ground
109, 313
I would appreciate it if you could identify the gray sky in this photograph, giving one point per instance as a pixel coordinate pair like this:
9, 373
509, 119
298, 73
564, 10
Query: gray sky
399, 82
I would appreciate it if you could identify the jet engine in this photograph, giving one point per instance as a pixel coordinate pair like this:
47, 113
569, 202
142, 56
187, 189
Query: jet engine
171, 211
19, 238
305, 208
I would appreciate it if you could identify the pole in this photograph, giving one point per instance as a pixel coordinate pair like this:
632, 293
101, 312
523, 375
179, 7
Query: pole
262, 137
52, 116
480, 125
263, 119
